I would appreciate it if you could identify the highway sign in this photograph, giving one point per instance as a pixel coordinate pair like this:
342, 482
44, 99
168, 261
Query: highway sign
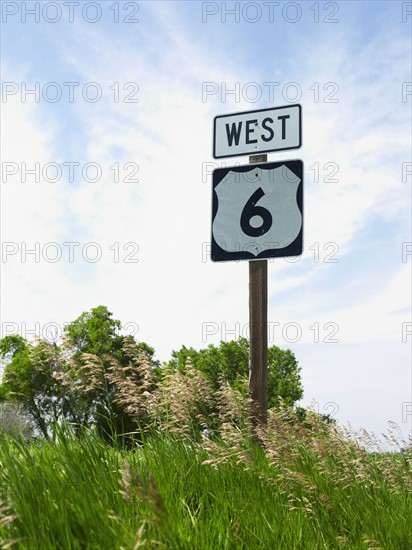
257, 132
257, 211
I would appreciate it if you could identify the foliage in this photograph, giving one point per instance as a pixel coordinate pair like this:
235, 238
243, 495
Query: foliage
98, 378
196, 472
71, 381
306, 487
28, 379
95, 332
14, 420
230, 362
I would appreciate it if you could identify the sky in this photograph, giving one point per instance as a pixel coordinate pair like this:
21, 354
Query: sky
106, 191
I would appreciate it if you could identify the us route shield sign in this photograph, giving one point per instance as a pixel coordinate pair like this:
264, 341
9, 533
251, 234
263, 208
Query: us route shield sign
257, 211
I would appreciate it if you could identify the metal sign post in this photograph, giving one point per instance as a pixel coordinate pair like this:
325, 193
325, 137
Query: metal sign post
258, 335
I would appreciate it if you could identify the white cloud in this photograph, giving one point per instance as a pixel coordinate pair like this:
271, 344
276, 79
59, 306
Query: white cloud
174, 293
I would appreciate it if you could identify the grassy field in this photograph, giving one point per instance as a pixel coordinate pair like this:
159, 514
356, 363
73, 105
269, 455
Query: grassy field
301, 486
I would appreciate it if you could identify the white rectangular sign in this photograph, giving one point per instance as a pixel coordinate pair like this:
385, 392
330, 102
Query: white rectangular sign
257, 132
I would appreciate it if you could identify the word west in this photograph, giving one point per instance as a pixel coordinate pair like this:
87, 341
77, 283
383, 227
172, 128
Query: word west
253, 12
52, 92
290, 332
54, 252
53, 12
52, 172
234, 130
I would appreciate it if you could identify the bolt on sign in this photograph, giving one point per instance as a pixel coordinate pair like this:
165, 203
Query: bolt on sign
257, 211
257, 132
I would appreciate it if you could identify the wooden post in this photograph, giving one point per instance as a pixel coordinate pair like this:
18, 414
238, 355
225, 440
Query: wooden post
258, 305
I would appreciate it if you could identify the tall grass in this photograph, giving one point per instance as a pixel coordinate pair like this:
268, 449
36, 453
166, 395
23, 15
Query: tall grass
202, 475
302, 489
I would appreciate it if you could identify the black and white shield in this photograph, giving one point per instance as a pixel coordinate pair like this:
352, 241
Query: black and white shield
257, 211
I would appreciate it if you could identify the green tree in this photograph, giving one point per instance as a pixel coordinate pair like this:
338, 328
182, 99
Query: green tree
72, 381
29, 379
230, 362
96, 333
284, 381
15, 420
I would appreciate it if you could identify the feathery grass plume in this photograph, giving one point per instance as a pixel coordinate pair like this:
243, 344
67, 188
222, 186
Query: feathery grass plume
88, 377
375, 469
231, 440
131, 483
282, 436
6, 544
67, 375
372, 543
140, 541
134, 487
151, 509
92, 374
45, 358
233, 407
393, 477
116, 390
156, 499
308, 460
292, 449
285, 443
82, 374
134, 382
395, 436
126, 482
184, 403
5, 520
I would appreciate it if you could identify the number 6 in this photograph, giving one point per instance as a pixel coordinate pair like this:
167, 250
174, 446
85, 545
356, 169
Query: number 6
250, 210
